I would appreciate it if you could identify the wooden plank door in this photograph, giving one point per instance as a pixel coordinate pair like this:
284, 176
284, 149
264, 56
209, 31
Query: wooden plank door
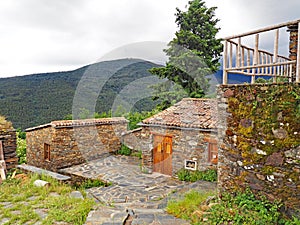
162, 154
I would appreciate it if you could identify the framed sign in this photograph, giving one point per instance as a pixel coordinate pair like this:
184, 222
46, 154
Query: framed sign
190, 164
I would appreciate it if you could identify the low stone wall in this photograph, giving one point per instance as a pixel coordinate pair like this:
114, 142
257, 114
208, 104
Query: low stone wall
259, 134
9, 141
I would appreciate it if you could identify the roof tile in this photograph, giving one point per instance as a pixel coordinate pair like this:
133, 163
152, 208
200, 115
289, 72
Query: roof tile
189, 113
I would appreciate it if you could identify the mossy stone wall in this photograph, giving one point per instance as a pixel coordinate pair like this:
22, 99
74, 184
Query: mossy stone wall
259, 136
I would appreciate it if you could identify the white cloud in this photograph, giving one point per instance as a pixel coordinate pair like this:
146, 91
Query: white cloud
44, 36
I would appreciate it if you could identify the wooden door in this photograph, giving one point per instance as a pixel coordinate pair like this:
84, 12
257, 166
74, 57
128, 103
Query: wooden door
162, 154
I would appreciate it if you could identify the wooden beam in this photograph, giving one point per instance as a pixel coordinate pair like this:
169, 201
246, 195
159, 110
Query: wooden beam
260, 50
263, 29
243, 57
2, 163
230, 55
255, 57
291, 73
238, 53
248, 59
225, 59
257, 74
275, 59
263, 65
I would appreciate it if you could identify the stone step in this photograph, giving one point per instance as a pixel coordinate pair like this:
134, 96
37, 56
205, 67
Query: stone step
107, 216
40, 171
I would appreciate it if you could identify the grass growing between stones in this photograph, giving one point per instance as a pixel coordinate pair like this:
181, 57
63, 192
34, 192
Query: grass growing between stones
23, 203
190, 206
244, 208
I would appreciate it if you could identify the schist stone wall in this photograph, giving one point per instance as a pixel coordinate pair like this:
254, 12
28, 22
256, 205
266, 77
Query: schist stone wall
73, 142
187, 144
259, 134
9, 144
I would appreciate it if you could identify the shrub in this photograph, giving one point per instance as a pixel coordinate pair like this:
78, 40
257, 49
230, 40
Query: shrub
244, 208
124, 150
21, 147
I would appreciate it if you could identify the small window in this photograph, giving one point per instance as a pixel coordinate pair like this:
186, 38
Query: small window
47, 152
213, 153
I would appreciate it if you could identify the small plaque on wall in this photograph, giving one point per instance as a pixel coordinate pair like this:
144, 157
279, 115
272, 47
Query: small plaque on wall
190, 164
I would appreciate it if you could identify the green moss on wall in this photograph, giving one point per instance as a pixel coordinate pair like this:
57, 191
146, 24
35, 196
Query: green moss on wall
262, 140
259, 112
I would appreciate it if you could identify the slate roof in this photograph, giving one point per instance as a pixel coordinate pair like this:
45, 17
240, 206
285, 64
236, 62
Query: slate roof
188, 113
81, 123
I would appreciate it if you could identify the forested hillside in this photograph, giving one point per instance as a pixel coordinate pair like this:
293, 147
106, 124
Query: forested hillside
36, 99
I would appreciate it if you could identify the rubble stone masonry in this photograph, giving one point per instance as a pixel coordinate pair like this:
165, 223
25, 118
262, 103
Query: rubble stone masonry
9, 142
72, 145
259, 134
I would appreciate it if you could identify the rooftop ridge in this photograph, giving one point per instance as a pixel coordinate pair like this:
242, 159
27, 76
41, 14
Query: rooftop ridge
81, 122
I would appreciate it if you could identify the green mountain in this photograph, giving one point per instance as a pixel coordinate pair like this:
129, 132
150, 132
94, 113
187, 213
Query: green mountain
36, 99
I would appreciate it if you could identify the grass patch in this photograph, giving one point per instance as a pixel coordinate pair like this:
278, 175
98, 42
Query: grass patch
124, 150
189, 206
21, 201
244, 208
90, 184
193, 176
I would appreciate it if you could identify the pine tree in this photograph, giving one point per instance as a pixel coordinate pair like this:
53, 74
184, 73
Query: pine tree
195, 51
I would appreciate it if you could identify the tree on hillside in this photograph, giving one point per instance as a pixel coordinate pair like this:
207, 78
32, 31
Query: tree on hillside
4, 124
195, 50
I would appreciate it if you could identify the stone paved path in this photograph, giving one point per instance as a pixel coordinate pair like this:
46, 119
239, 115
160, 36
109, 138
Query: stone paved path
133, 198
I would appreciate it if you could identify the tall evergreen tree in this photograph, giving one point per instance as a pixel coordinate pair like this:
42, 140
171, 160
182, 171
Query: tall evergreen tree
195, 50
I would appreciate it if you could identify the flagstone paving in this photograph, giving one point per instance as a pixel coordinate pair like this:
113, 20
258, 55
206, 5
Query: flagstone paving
134, 197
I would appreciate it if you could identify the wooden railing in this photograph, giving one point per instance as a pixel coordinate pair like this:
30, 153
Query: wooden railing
257, 62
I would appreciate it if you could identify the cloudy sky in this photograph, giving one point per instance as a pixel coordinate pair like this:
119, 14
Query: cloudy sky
43, 36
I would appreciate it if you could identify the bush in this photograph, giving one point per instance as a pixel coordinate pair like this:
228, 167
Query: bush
244, 208
21, 147
137, 117
193, 176
124, 150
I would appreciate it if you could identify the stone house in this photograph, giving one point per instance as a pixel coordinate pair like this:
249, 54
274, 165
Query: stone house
182, 136
62, 144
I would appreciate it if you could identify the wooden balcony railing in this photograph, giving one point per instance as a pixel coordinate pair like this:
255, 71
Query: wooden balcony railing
254, 62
